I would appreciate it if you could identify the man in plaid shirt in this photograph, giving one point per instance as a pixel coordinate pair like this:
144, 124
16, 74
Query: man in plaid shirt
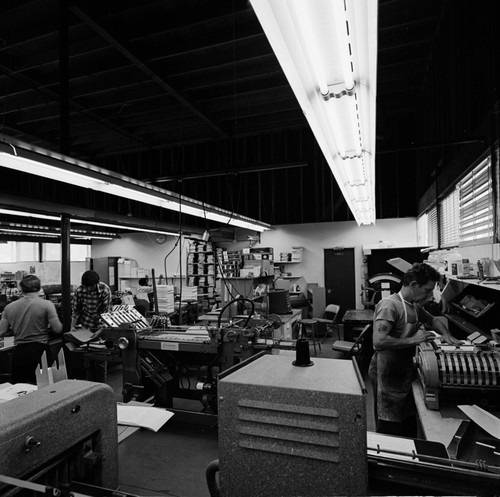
90, 300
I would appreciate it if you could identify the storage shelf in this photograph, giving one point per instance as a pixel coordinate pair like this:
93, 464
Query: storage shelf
208, 289
493, 284
470, 312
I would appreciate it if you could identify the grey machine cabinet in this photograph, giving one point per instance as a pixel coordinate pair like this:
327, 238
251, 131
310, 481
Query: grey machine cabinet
294, 431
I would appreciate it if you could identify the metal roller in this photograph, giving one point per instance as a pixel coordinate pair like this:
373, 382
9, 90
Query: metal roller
439, 369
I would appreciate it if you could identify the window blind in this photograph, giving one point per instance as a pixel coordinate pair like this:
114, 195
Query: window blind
449, 216
476, 205
432, 228
422, 233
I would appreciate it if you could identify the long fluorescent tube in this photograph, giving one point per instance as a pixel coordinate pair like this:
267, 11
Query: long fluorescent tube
13, 212
46, 164
110, 225
54, 234
51, 234
328, 52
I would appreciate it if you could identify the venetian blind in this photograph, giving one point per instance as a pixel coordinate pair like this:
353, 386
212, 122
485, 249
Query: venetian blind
449, 217
422, 233
476, 205
432, 228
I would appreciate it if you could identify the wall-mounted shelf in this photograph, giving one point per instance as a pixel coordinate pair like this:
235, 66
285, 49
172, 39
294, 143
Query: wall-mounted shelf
490, 284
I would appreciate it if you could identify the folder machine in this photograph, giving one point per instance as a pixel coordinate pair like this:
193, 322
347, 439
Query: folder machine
158, 359
469, 373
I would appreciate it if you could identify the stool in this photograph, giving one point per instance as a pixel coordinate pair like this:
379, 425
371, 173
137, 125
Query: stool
308, 330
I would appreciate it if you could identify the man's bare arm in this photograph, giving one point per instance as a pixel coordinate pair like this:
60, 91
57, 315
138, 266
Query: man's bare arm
382, 340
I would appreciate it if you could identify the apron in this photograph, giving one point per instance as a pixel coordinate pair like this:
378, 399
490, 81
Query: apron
392, 372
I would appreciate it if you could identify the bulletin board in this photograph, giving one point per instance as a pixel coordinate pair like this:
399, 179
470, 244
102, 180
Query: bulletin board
48, 272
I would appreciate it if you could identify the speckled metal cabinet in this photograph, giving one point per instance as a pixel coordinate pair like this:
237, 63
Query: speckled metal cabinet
294, 431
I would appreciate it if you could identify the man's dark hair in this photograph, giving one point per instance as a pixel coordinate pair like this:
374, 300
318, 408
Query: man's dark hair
421, 273
90, 278
30, 284
143, 282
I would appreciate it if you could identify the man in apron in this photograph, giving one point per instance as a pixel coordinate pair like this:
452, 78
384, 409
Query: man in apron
396, 333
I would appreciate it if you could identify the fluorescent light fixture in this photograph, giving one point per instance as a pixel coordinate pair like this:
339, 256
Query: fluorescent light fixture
328, 52
93, 237
109, 225
46, 164
13, 212
53, 233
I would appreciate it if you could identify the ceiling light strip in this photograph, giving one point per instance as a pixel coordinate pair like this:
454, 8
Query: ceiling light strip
47, 164
328, 52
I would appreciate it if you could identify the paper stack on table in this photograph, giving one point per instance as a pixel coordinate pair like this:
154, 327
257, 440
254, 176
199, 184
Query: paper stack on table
151, 418
9, 391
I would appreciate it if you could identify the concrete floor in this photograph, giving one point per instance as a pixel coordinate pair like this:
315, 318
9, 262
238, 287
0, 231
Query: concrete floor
173, 461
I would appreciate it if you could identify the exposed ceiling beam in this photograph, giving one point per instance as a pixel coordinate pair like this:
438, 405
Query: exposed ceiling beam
144, 68
225, 172
53, 96
53, 208
431, 145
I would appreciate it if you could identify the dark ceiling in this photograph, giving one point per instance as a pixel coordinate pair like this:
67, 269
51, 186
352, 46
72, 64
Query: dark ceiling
189, 96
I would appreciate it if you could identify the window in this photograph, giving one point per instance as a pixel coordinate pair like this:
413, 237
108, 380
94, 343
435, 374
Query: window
52, 252
427, 229
8, 252
19, 252
465, 215
432, 228
449, 217
26, 252
422, 230
80, 252
476, 205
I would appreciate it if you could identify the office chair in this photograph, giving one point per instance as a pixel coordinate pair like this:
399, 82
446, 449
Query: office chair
329, 318
351, 349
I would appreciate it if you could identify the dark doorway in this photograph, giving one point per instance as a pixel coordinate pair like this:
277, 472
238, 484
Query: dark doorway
340, 278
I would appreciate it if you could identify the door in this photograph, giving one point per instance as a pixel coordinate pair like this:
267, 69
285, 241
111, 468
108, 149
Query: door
340, 278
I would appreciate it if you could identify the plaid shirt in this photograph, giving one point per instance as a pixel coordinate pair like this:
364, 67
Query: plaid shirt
88, 305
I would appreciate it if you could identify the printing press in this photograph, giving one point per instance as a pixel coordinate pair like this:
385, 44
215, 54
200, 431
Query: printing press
178, 362
469, 373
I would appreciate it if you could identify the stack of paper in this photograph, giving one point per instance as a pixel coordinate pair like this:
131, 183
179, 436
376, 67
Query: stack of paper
9, 391
151, 418
165, 298
189, 293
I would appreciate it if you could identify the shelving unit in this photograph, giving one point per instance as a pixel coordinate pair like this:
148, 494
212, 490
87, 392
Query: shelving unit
472, 305
293, 257
228, 263
489, 284
201, 271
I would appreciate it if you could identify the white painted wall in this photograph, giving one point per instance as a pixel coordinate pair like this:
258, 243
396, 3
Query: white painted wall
313, 237
166, 259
